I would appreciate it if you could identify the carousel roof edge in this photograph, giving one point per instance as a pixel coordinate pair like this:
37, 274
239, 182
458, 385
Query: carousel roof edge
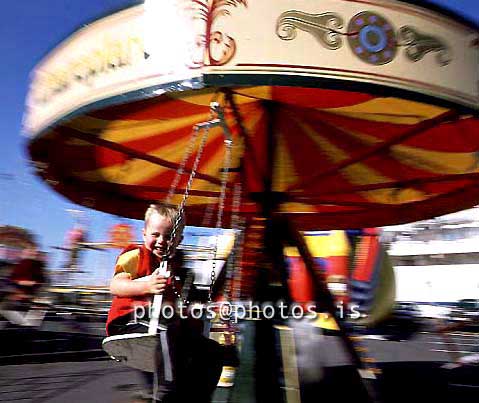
190, 84
272, 79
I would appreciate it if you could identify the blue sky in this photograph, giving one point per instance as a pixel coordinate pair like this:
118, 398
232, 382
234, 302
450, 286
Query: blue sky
30, 28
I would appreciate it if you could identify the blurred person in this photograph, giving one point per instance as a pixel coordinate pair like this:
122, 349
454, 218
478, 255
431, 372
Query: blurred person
29, 274
23, 284
73, 241
196, 361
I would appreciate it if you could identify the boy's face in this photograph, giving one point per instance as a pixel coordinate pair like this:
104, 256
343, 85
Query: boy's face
156, 234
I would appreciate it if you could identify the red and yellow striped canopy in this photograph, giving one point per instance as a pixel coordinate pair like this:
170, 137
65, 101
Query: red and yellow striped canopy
327, 158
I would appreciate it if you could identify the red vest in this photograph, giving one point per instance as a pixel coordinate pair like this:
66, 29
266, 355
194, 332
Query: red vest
121, 306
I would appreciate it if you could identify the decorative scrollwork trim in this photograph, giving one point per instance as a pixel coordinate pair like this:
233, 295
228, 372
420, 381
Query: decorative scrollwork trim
324, 27
419, 44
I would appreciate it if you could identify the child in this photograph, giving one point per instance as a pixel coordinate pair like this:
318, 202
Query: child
137, 262
196, 360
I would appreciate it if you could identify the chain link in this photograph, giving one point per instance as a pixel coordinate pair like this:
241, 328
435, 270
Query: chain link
180, 296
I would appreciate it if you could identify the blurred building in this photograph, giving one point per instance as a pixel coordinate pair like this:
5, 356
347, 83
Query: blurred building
436, 261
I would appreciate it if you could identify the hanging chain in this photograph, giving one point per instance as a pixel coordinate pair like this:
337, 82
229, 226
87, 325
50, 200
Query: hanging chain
235, 220
236, 254
228, 141
205, 126
186, 157
181, 168
181, 209
237, 223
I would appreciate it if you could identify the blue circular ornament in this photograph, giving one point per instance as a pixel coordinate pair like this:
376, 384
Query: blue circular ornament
372, 38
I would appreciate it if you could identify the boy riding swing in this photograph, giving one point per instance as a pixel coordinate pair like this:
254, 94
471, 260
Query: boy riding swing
185, 363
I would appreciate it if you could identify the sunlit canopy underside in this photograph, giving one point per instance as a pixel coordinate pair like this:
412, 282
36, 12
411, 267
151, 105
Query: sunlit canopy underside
327, 158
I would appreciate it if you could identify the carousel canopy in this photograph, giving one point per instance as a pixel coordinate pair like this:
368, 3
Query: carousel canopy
343, 113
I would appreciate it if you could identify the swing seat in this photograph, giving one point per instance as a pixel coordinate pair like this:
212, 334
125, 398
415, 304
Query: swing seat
136, 350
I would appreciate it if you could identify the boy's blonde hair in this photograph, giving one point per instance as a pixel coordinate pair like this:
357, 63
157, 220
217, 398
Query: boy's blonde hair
167, 212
